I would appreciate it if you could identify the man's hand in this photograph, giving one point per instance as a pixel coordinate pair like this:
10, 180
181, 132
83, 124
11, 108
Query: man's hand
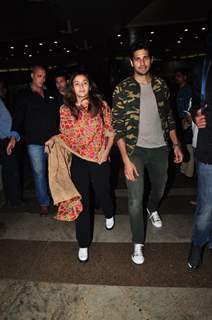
200, 119
11, 145
178, 154
130, 171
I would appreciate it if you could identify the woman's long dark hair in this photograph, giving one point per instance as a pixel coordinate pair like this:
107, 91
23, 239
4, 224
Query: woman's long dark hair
95, 100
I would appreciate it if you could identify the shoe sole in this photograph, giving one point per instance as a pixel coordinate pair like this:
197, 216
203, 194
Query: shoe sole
156, 226
136, 262
83, 261
190, 267
108, 229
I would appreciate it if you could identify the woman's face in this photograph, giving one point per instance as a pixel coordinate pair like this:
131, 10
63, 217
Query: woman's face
81, 87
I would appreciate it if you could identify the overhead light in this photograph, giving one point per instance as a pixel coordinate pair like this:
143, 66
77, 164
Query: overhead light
186, 30
203, 28
55, 42
67, 51
40, 43
119, 35
50, 50
196, 37
121, 42
150, 40
178, 41
30, 56
152, 32
181, 38
26, 46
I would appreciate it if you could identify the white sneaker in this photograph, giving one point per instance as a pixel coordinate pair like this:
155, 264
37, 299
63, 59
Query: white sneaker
109, 223
155, 219
137, 256
83, 254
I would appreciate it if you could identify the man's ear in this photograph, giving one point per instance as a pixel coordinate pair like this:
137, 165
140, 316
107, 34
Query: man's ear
131, 63
31, 75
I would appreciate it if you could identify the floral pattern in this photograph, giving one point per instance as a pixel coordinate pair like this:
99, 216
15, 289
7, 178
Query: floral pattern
69, 210
86, 136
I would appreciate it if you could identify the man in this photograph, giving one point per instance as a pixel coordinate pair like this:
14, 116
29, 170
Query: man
10, 169
61, 84
202, 222
143, 123
36, 118
183, 103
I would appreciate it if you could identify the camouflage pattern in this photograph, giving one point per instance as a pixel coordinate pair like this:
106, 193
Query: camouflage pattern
126, 110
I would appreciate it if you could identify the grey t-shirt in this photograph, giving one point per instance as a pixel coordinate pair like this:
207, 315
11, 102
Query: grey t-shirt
150, 129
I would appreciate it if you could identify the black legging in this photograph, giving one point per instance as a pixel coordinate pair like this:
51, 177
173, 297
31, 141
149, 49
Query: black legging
84, 175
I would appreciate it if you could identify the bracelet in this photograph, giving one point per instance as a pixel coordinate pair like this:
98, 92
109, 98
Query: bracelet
175, 145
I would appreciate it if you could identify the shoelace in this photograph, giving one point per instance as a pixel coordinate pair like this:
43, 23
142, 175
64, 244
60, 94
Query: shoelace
154, 216
138, 250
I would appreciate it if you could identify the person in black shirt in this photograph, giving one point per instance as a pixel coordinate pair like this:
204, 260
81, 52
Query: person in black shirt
61, 85
202, 223
36, 119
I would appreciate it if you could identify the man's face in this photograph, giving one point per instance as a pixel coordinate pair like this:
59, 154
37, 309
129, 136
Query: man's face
38, 77
180, 78
61, 84
141, 62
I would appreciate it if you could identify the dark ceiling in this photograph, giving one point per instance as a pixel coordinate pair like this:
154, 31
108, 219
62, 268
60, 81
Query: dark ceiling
92, 20
58, 29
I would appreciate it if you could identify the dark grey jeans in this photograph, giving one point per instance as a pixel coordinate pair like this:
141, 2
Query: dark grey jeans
156, 162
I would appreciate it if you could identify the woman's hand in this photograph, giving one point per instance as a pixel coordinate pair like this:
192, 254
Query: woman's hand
49, 145
103, 157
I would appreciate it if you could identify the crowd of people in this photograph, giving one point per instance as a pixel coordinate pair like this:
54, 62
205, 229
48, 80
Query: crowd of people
78, 126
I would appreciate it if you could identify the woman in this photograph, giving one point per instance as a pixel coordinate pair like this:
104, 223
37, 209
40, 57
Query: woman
85, 125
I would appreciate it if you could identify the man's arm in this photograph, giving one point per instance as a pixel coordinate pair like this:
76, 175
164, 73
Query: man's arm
118, 113
176, 146
130, 170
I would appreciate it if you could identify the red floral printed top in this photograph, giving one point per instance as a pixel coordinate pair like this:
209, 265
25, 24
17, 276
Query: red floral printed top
86, 136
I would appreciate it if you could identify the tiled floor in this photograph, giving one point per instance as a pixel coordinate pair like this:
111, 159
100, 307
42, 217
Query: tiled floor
41, 279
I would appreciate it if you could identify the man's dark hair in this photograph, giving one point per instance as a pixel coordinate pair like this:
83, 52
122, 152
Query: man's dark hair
139, 45
183, 71
60, 73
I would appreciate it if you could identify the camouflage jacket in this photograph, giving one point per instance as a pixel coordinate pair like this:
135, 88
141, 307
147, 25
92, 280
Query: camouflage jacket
126, 109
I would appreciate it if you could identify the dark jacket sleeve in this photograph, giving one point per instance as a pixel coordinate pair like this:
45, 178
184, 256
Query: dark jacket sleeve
196, 90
